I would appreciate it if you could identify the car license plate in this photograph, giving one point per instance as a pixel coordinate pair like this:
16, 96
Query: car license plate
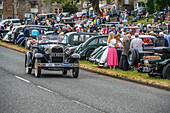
66, 64
51, 65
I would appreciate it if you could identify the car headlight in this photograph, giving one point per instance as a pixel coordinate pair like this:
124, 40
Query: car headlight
67, 51
47, 50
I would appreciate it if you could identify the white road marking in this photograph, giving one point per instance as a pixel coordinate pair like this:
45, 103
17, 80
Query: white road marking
90, 107
22, 79
45, 89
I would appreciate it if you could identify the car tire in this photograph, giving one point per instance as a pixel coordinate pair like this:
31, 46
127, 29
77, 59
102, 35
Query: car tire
166, 71
37, 69
151, 75
75, 70
131, 57
64, 72
27, 69
88, 53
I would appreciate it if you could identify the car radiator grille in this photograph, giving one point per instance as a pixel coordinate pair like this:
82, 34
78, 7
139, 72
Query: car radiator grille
57, 55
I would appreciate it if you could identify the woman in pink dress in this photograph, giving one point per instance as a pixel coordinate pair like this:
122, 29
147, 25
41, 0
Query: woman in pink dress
112, 53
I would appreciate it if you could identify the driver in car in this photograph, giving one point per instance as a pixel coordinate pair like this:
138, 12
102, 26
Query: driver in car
44, 39
60, 37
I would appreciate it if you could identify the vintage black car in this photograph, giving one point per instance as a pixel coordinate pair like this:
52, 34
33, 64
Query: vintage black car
49, 53
158, 66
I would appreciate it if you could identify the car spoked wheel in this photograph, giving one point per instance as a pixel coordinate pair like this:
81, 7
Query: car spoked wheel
76, 70
37, 68
166, 71
27, 69
64, 72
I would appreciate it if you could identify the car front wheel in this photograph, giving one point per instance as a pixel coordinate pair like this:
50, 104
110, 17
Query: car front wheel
64, 72
37, 68
76, 70
27, 69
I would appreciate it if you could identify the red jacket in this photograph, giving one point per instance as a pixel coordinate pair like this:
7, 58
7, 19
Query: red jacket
106, 31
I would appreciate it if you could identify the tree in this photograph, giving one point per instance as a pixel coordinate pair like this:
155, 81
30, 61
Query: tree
69, 8
150, 6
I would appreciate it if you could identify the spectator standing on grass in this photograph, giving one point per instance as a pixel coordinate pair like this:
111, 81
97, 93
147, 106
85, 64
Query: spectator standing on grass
112, 53
119, 47
147, 16
137, 43
126, 47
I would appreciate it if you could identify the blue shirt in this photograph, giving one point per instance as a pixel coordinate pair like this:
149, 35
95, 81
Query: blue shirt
34, 32
113, 31
168, 38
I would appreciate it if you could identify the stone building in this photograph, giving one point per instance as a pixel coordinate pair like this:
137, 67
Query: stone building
19, 8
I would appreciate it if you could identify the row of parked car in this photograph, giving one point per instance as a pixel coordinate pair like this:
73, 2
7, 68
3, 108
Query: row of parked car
89, 46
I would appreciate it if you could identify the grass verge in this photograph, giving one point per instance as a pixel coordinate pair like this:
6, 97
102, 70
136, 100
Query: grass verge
127, 74
124, 74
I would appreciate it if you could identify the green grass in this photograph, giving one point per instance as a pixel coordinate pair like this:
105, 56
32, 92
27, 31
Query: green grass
144, 21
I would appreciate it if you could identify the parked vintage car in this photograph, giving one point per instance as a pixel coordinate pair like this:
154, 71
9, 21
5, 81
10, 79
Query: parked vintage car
21, 39
133, 29
50, 54
90, 45
20, 30
76, 38
3, 33
157, 64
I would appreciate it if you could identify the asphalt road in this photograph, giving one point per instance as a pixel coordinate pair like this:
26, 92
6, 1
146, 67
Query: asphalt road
55, 93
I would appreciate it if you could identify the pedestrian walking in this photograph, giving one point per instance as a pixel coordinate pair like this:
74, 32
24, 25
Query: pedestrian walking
112, 53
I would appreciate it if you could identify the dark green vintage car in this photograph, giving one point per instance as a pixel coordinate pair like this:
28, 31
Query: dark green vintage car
160, 66
49, 53
86, 48
76, 38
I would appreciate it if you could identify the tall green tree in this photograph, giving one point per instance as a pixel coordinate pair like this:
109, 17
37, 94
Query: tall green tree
150, 6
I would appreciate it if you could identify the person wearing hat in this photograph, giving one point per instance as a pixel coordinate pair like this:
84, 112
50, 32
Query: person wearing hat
137, 43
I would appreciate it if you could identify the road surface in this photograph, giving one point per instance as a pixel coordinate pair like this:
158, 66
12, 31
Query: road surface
55, 93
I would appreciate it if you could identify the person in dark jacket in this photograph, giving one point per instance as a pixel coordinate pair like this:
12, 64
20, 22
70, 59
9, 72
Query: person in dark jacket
126, 47
26, 32
161, 41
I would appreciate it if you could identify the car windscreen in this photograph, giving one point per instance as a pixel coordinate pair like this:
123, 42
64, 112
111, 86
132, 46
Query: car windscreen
45, 39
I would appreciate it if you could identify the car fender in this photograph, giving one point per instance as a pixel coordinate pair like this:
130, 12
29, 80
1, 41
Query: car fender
28, 57
39, 55
75, 56
164, 62
83, 53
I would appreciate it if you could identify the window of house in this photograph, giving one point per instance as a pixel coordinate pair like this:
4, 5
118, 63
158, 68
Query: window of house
1, 4
1, 17
126, 2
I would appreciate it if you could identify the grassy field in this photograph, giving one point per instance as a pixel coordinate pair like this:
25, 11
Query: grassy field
125, 74
144, 21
